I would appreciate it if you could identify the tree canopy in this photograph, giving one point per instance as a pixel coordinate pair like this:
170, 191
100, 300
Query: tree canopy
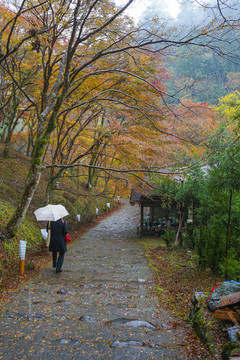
88, 88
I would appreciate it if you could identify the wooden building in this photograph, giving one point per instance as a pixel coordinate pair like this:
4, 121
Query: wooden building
157, 213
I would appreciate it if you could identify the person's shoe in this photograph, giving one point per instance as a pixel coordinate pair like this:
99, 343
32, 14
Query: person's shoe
58, 271
54, 266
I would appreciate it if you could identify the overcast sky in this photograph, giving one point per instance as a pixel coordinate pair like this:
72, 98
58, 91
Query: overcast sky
138, 6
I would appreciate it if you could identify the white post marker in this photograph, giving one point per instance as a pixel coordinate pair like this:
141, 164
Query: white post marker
78, 217
118, 199
22, 253
96, 212
108, 207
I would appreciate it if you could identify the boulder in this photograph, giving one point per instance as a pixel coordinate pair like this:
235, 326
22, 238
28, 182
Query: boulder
226, 288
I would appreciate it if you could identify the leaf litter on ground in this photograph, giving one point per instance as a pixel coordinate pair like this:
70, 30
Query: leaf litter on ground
177, 277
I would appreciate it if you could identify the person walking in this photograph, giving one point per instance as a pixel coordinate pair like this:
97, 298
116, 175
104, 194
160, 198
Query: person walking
58, 229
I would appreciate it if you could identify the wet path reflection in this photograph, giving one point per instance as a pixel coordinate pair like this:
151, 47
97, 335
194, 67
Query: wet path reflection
101, 306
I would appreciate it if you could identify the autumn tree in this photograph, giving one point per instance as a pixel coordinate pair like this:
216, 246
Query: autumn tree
108, 106
60, 32
14, 105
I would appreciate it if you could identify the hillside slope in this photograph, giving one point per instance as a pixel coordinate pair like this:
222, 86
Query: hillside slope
13, 173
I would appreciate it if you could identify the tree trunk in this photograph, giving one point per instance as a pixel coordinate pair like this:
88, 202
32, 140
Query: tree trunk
107, 178
91, 183
52, 183
77, 195
31, 185
228, 225
50, 187
193, 226
2, 132
30, 143
54, 103
12, 121
179, 228
10, 128
48, 192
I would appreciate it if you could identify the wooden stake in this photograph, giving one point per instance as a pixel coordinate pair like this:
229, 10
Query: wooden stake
21, 267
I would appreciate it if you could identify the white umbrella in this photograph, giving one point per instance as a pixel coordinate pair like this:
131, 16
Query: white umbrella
51, 213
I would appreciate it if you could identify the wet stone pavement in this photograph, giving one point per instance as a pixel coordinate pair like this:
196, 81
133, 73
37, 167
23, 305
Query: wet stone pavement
100, 307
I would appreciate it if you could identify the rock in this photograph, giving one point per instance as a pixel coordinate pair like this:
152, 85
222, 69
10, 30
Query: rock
72, 342
197, 297
226, 288
87, 318
198, 321
132, 322
232, 333
140, 323
119, 321
62, 292
120, 344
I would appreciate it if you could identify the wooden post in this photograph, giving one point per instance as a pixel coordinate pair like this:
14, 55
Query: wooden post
22, 252
21, 267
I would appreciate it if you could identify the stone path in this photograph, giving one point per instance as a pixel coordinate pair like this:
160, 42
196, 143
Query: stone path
100, 307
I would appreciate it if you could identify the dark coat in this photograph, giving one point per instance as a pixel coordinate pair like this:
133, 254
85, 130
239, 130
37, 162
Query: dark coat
58, 230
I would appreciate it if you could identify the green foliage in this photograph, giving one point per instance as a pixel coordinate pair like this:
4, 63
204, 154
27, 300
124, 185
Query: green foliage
169, 237
205, 75
166, 187
28, 231
203, 327
228, 350
211, 215
230, 268
229, 109
212, 194
9, 250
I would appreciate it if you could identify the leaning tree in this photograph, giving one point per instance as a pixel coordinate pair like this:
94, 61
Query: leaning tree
60, 32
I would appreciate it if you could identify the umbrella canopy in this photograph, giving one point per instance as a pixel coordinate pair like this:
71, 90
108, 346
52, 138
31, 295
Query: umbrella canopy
50, 213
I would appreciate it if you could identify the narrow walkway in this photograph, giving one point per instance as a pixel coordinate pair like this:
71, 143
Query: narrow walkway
100, 307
